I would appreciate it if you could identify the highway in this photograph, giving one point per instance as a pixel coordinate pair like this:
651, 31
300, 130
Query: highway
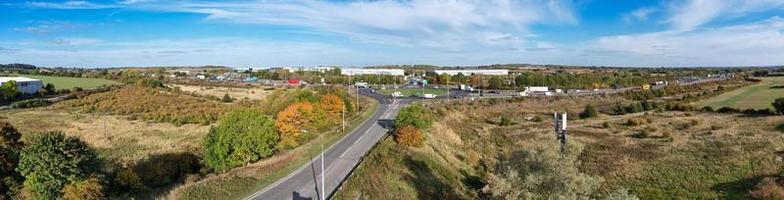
340, 159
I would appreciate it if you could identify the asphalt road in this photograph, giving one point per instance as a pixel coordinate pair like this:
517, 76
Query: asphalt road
340, 159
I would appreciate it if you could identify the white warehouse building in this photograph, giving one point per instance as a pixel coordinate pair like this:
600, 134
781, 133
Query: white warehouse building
469, 72
24, 85
362, 71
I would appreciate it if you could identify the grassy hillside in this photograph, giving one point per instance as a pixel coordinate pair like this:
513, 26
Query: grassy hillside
755, 96
655, 155
72, 82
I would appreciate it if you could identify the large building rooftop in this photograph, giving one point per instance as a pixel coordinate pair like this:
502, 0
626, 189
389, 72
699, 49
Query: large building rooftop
17, 79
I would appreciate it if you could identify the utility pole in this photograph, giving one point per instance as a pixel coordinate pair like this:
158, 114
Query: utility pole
448, 87
559, 123
323, 184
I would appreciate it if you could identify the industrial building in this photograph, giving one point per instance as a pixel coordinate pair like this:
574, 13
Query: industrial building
362, 71
24, 85
469, 72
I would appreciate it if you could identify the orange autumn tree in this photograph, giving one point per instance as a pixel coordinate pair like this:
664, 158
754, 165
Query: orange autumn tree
332, 105
290, 122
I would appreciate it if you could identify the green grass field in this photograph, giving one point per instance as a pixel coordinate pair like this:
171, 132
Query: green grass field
416, 92
72, 82
757, 96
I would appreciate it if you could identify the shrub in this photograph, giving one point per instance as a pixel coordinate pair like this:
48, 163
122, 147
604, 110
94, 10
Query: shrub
9, 159
409, 136
606, 124
161, 170
767, 189
243, 136
621, 194
52, 161
505, 121
30, 103
543, 172
636, 121
778, 104
588, 112
414, 115
226, 99
89, 189
538, 119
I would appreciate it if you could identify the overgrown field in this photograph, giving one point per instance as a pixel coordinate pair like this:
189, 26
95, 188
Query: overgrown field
139, 102
114, 137
654, 155
73, 82
757, 96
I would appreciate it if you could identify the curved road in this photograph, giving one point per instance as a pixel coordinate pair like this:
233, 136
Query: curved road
340, 158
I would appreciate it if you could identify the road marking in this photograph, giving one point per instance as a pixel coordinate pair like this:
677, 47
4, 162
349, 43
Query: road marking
254, 195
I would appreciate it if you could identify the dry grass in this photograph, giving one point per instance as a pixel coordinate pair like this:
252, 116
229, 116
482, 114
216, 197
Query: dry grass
689, 155
253, 93
115, 138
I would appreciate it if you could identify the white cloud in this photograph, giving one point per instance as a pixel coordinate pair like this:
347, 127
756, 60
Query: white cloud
450, 25
71, 4
690, 14
759, 43
640, 14
48, 26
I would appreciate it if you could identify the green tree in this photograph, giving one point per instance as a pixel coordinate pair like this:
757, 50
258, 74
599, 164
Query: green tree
243, 136
50, 89
589, 112
496, 82
778, 104
9, 159
52, 161
8, 90
414, 115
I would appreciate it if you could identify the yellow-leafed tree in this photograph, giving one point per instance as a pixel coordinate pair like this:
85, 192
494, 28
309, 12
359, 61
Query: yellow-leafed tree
290, 122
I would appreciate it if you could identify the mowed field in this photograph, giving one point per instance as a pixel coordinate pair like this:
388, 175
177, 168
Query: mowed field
72, 82
757, 96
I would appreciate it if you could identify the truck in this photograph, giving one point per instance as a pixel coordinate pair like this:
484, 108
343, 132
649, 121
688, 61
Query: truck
537, 89
430, 96
397, 94
462, 87
361, 84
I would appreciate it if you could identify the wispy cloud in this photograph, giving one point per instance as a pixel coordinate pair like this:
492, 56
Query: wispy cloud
441, 24
690, 14
9, 50
640, 14
48, 26
759, 43
72, 4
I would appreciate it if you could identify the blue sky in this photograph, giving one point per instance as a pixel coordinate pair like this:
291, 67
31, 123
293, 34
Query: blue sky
642, 33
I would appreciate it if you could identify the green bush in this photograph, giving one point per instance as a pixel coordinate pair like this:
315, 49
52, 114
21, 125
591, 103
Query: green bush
52, 161
30, 103
414, 115
541, 171
588, 112
9, 159
243, 136
778, 104
89, 189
